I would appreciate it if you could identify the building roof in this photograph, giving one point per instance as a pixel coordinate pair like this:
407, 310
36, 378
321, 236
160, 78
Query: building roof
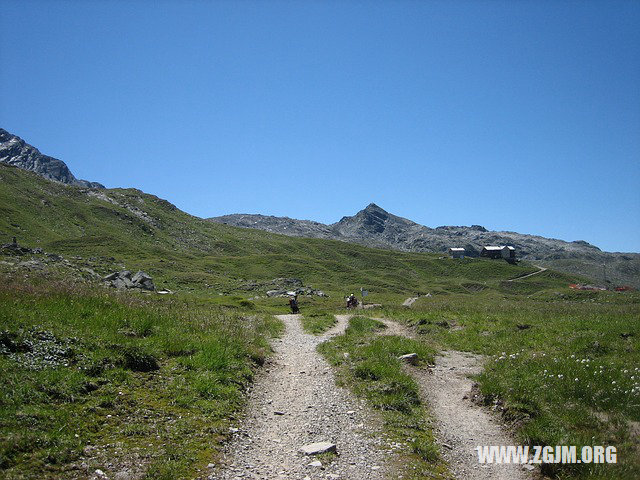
456, 249
495, 247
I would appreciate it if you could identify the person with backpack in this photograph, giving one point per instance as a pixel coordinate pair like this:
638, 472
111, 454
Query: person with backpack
293, 303
352, 301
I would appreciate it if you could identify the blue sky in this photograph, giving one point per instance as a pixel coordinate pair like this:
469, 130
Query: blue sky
520, 116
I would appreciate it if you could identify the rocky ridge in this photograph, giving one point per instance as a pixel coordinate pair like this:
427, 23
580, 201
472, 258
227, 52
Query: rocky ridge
15, 151
375, 227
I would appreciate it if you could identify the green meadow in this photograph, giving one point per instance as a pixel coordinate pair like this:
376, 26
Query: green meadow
90, 374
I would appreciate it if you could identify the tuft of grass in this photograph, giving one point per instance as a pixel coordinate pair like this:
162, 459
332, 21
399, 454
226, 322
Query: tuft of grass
317, 323
368, 364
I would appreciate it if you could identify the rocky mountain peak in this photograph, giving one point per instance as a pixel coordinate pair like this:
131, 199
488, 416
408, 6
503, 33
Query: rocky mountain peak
373, 222
372, 207
15, 151
373, 219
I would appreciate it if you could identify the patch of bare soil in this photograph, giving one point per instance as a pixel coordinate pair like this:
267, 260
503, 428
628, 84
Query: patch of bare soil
296, 402
394, 328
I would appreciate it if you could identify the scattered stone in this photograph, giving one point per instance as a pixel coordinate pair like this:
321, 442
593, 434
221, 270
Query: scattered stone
143, 280
32, 265
316, 463
124, 279
111, 276
37, 349
278, 412
15, 249
410, 358
285, 287
318, 447
123, 475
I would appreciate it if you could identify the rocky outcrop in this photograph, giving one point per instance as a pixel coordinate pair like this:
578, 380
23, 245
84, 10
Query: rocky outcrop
285, 225
124, 279
15, 151
14, 249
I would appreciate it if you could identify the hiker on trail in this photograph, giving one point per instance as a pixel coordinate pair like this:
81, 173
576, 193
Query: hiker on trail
352, 301
293, 303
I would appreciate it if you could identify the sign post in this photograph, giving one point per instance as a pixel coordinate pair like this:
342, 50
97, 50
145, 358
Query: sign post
363, 293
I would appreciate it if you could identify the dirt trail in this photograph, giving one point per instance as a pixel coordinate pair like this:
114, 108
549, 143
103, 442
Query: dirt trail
541, 269
296, 402
460, 424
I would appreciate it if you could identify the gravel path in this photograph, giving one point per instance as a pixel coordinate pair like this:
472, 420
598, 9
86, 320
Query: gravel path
296, 402
461, 424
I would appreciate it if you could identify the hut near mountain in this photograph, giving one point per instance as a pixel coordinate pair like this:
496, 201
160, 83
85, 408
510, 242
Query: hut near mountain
457, 252
505, 251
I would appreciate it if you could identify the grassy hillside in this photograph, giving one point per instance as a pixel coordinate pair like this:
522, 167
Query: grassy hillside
140, 231
91, 379
150, 384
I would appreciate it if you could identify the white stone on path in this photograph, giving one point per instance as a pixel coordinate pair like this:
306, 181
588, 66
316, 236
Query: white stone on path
318, 447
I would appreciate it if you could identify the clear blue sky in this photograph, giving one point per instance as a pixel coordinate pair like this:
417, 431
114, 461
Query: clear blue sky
516, 115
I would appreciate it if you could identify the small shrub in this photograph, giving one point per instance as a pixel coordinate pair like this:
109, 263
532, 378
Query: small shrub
137, 360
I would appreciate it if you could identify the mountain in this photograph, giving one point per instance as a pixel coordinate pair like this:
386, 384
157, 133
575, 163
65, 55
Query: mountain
375, 227
96, 232
371, 227
15, 151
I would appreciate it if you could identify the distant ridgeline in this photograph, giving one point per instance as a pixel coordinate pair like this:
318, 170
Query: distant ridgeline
371, 227
376, 227
15, 151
